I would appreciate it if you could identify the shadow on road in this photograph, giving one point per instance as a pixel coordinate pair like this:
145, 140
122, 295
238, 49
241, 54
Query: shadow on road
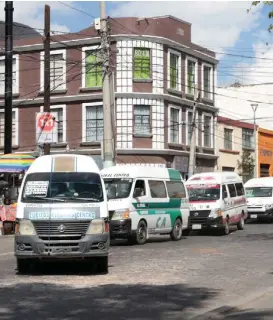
113, 301
246, 314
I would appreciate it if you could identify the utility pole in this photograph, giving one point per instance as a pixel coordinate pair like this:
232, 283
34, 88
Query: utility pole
8, 75
254, 107
47, 69
108, 146
193, 135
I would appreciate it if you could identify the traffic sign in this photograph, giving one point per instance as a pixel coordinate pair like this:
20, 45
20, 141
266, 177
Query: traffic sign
46, 122
46, 127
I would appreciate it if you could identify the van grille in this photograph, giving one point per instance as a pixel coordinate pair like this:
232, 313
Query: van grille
73, 229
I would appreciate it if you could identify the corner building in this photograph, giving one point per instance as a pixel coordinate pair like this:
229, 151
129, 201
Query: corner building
155, 67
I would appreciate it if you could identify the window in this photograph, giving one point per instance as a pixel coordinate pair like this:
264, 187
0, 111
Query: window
224, 192
92, 69
15, 75
118, 188
174, 72
174, 125
228, 139
207, 82
207, 131
239, 189
229, 169
142, 120
157, 189
14, 128
189, 126
176, 189
94, 123
191, 76
232, 190
140, 189
60, 121
247, 137
142, 64
57, 70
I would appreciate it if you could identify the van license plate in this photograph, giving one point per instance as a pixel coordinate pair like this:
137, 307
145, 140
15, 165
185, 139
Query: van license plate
196, 226
61, 250
253, 216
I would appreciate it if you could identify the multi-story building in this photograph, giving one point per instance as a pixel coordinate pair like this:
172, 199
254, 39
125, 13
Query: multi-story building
265, 153
233, 136
156, 68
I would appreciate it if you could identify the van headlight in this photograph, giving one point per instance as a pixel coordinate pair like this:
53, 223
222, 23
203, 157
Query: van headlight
26, 228
121, 214
96, 226
215, 213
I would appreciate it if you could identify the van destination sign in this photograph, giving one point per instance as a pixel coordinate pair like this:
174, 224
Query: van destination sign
61, 213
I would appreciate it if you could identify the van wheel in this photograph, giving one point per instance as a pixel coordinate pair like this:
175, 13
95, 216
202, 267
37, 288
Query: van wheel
241, 224
176, 233
226, 230
23, 265
102, 265
141, 234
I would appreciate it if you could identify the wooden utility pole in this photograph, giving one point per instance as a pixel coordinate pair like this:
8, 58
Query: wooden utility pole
108, 142
8, 75
47, 69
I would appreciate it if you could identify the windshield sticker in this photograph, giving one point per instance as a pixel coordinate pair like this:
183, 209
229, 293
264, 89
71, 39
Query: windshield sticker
37, 188
116, 175
249, 192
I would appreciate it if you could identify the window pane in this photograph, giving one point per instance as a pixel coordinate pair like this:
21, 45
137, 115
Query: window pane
142, 64
232, 190
174, 72
207, 131
248, 138
191, 77
93, 70
142, 120
56, 71
228, 139
189, 126
59, 124
94, 123
2, 128
174, 125
207, 82
157, 189
176, 189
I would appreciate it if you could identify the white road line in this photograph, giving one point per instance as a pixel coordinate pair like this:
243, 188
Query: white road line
6, 254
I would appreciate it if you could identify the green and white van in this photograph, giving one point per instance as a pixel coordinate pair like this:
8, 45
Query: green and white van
144, 201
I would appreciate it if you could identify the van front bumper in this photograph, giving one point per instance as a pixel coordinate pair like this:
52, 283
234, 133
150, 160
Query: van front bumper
255, 213
205, 223
120, 229
26, 247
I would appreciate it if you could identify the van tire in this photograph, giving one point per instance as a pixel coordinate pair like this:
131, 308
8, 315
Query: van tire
140, 237
241, 223
23, 265
226, 230
102, 265
176, 233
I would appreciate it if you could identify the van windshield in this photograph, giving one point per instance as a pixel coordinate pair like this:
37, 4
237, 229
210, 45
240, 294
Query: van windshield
203, 192
258, 192
62, 186
118, 188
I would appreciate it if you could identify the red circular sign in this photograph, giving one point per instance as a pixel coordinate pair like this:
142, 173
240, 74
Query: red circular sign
46, 122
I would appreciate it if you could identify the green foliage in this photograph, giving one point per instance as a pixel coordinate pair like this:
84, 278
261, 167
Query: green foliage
265, 3
246, 164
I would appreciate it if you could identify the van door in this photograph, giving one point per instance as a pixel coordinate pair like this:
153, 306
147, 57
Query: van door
159, 217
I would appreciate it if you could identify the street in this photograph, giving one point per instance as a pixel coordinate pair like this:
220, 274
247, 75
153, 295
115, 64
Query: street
160, 280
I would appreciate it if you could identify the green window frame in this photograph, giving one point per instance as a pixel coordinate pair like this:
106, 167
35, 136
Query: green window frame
191, 76
174, 72
142, 64
93, 69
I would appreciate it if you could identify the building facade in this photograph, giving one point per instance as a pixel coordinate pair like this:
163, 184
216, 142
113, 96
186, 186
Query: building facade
265, 153
233, 137
156, 68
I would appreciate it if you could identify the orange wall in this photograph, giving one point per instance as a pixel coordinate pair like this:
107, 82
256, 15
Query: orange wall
265, 149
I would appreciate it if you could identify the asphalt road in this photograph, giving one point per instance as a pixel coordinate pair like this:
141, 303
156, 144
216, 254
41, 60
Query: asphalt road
162, 280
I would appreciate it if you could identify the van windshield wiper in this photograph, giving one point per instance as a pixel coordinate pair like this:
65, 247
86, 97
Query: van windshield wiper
81, 199
43, 198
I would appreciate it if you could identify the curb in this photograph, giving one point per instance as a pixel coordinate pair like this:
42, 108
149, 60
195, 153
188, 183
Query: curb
238, 304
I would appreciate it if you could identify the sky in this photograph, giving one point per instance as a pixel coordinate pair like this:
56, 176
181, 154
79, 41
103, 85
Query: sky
241, 39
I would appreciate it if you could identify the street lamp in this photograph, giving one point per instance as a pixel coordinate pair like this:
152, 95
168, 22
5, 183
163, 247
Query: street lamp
254, 107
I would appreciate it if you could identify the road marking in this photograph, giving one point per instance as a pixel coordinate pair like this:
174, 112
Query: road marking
6, 254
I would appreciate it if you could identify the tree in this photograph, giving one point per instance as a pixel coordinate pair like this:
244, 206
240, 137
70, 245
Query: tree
270, 13
246, 164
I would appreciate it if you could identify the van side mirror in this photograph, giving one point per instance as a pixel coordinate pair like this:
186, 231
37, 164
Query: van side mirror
137, 193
